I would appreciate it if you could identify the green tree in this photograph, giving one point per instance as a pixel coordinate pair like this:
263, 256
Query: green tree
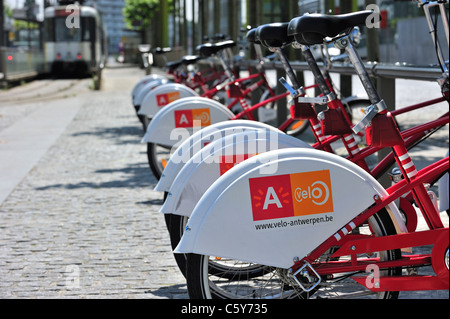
143, 15
7, 10
139, 13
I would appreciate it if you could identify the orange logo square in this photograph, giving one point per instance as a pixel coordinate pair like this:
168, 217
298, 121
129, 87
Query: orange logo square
202, 115
311, 193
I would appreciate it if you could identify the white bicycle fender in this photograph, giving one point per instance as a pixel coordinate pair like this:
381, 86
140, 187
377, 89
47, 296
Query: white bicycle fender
206, 166
143, 81
177, 121
145, 90
443, 192
198, 140
163, 95
270, 219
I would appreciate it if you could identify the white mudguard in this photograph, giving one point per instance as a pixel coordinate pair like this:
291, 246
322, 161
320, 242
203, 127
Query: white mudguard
200, 139
253, 214
143, 81
163, 95
177, 121
443, 193
145, 90
215, 159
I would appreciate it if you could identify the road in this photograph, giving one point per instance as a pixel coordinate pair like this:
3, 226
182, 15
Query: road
78, 217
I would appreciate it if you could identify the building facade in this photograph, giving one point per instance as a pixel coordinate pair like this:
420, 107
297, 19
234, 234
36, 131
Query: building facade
111, 11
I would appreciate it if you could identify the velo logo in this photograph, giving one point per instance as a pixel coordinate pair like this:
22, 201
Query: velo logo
166, 98
318, 193
291, 195
186, 118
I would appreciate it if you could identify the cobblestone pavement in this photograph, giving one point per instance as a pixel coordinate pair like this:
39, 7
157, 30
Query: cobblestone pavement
84, 222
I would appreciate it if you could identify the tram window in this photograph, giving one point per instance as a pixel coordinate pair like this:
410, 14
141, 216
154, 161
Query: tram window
63, 33
49, 34
88, 26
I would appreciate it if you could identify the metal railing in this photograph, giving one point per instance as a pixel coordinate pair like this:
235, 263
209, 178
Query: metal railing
386, 73
392, 71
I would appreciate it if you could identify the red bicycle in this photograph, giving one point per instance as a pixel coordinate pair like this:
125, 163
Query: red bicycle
239, 90
369, 253
271, 36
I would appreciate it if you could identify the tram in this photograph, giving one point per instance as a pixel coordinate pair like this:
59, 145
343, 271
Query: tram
74, 40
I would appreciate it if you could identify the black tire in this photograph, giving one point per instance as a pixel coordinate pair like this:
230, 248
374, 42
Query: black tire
229, 269
145, 121
155, 155
201, 287
176, 226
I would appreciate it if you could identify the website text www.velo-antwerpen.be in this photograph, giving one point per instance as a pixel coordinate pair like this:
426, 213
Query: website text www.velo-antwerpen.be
294, 222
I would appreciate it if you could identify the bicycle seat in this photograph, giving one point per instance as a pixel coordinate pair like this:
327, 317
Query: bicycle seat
312, 28
209, 49
190, 59
174, 65
160, 50
274, 35
251, 36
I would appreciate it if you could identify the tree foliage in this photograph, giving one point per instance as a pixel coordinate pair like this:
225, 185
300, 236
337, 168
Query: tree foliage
7, 10
138, 13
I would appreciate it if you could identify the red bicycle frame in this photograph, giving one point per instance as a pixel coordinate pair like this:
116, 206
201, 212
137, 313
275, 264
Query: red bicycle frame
383, 133
357, 244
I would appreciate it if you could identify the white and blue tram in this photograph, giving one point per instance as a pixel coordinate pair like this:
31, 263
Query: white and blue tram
74, 40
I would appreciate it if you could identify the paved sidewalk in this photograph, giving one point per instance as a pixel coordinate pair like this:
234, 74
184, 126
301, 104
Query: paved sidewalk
82, 221
27, 140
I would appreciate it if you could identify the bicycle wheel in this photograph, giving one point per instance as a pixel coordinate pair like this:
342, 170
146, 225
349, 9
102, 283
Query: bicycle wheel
278, 284
231, 269
266, 113
296, 128
145, 121
176, 226
158, 156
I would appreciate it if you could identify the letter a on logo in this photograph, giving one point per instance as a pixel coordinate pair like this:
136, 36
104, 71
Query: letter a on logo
161, 100
183, 118
271, 197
